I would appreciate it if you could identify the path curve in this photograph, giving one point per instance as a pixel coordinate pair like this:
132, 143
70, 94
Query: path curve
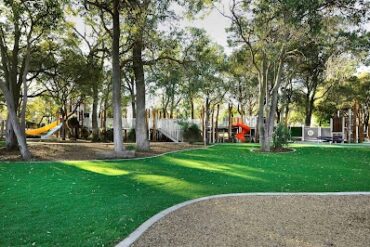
130, 239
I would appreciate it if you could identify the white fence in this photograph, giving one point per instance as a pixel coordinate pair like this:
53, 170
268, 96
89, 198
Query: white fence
317, 134
169, 127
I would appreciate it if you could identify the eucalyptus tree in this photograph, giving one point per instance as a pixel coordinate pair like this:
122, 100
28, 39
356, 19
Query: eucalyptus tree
129, 85
194, 42
150, 46
93, 46
243, 83
273, 31
288, 91
270, 30
142, 19
165, 79
206, 70
327, 38
67, 74
25, 24
110, 17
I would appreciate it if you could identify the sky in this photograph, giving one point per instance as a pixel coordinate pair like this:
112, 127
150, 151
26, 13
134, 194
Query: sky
215, 24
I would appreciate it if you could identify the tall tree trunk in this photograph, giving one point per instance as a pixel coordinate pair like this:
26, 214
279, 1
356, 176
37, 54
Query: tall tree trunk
64, 121
273, 102
171, 112
142, 142
366, 121
206, 121
14, 87
309, 111
24, 82
229, 108
213, 124
104, 115
116, 82
133, 106
192, 108
261, 106
10, 138
12, 116
2, 128
203, 124
94, 115
286, 114
216, 124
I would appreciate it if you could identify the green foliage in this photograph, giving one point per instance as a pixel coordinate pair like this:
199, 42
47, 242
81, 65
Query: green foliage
85, 133
281, 136
191, 132
131, 147
107, 135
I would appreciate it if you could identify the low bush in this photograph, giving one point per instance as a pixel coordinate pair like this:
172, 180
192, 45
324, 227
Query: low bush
281, 136
131, 137
191, 132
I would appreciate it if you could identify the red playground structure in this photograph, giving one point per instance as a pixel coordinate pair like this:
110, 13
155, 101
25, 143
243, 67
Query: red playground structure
245, 130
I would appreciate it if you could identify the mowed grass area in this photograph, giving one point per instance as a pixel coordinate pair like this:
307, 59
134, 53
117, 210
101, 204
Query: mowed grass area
99, 203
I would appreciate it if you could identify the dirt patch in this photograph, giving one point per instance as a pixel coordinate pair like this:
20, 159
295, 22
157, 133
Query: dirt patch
274, 150
85, 150
265, 221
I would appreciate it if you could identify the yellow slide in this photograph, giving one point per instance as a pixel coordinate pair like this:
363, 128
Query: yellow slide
39, 131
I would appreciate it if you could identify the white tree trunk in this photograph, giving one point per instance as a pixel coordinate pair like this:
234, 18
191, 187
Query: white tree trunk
20, 135
117, 112
261, 107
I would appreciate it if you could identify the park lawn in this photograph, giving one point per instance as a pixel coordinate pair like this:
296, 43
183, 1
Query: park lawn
90, 203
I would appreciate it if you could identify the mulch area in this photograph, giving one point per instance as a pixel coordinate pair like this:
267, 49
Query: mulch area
85, 150
265, 221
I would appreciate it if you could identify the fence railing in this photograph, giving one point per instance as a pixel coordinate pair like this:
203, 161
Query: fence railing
171, 128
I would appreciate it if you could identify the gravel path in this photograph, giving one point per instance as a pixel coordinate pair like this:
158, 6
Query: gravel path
265, 221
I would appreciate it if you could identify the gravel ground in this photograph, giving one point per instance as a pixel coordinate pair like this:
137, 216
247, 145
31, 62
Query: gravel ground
85, 150
265, 221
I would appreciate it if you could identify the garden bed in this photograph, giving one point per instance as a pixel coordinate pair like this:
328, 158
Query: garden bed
86, 150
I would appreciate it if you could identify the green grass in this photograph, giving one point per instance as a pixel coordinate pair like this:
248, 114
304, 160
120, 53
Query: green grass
99, 203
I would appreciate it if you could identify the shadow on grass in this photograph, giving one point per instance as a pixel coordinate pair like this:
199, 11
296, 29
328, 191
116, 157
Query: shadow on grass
100, 202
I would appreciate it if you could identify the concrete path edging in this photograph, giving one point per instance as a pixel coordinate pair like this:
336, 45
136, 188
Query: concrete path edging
130, 239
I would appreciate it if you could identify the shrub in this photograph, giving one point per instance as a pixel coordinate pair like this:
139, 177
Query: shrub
85, 133
191, 132
130, 147
131, 137
281, 136
107, 135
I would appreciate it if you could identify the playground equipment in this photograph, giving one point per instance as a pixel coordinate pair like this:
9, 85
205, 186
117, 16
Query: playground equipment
52, 131
245, 130
52, 128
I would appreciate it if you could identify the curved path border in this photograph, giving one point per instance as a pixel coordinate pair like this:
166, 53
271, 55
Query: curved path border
130, 239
